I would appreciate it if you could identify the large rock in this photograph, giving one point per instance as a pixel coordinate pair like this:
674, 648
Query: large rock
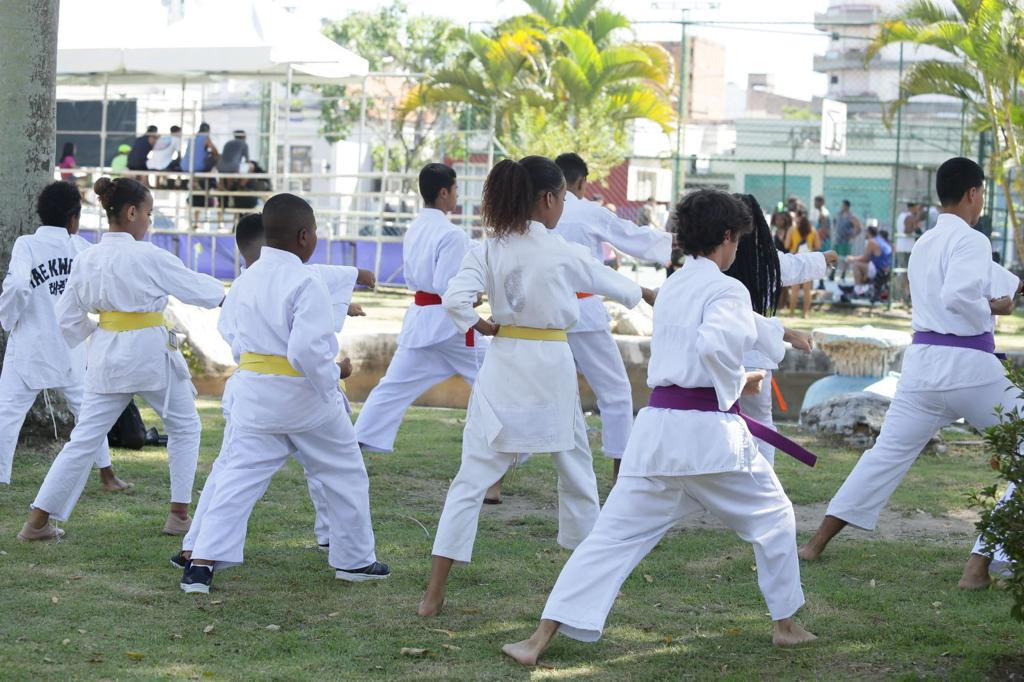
861, 351
855, 417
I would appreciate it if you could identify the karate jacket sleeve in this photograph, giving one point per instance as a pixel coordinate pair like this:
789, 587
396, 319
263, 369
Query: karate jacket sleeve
770, 333
341, 284
469, 282
72, 316
968, 281
644, 243
726, 331
797, 268
312, 346
17, 287
1003, 282
595, 277
194, 288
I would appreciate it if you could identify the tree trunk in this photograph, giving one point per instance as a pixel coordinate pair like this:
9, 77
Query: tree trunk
28, 80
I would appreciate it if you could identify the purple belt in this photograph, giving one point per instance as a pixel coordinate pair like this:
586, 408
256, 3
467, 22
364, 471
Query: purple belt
986, 342
706, 400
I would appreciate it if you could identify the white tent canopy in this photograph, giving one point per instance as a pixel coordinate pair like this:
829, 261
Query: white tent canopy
130, 41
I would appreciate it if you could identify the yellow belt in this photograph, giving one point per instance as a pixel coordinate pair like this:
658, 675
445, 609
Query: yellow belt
117, 321
532, 333
272, 364
268, 364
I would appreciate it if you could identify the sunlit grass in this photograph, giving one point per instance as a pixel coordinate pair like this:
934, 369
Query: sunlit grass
882, 608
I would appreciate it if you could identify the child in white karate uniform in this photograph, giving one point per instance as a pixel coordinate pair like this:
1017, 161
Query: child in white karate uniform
686, 454
37, 358
949, 371
526, 398
126, 281
285, 401
430, 348
593, 348
763, 270
340, 281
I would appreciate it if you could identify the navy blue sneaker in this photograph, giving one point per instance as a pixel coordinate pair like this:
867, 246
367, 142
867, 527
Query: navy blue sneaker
197, 579
375, 571
179, 561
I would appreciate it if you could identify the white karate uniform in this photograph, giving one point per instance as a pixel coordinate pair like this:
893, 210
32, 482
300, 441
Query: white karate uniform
276, 307
593, 348
124, 275
951, 282
679, 462
794, 268
430, 348
526, 397
37, 356
340, 281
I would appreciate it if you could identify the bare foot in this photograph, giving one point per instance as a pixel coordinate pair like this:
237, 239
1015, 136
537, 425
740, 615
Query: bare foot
808, 553
976, 575
113, 484
493, 494
430, 606
524, 652
789, 633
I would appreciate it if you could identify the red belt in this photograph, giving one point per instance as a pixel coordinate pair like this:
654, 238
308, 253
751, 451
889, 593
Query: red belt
583, 294
425, 298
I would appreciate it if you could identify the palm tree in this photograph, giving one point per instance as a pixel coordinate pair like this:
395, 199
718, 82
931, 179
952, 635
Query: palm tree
985, 40
587, 15
634, 76
492, 72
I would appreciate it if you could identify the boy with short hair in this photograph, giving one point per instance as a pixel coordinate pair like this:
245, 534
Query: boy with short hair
430, 348
340, 280
950, 370
285, 401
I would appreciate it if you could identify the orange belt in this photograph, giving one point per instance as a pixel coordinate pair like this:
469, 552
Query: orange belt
583, 294
425, 298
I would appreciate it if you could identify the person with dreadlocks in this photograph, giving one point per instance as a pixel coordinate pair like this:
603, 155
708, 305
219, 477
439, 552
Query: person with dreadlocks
765, 271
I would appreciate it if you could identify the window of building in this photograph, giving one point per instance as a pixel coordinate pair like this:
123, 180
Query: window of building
834, 80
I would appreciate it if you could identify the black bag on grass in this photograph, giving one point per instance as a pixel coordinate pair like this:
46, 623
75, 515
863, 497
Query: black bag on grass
128, 431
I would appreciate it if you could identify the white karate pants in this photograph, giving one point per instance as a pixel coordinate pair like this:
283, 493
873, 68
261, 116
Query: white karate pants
66, 478
638, 513
1001, 564
412, 371
249, 460
321, 527
913, 418
481, 467
15, 401
599, 361
759, 408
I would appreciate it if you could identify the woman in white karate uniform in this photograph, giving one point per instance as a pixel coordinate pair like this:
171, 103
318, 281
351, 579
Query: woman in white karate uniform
526, 397
686, 454
126, 281
37, 357
764, 271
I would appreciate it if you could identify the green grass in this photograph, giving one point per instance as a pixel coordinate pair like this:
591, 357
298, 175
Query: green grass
881, 608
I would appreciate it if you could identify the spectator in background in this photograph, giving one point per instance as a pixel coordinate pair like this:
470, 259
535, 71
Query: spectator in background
120, 162
906, 231
660, 216
781, 223
140, 149
933, 216
647, 213
823, 223
847, 228
802, 239
201, 153
234, 152
876, 260
67, 160
164, 156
